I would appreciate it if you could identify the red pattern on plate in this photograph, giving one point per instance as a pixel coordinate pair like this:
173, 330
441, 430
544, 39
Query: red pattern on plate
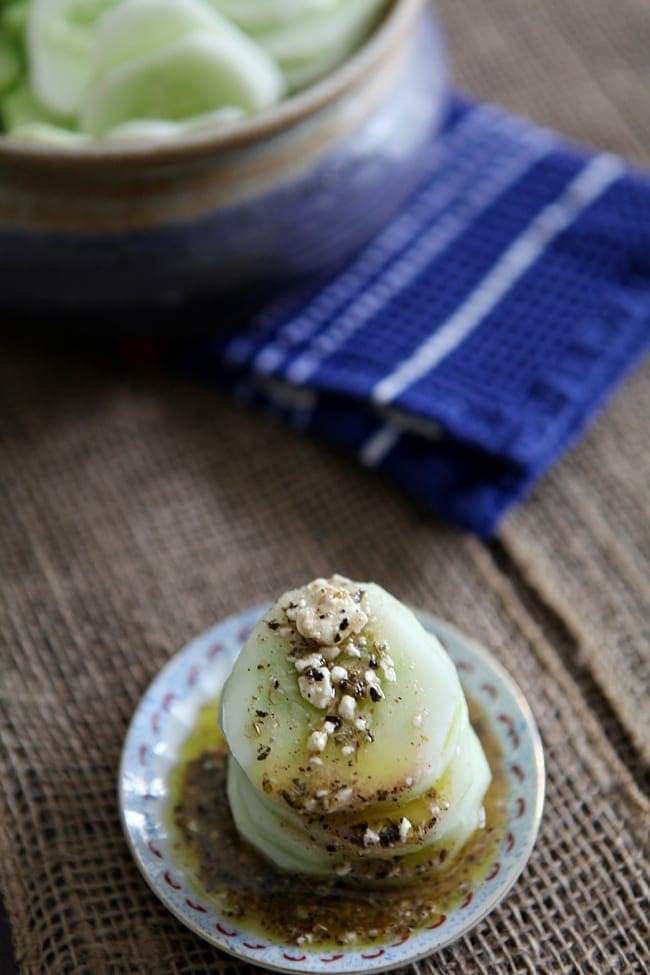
196, 907
146, 752
436, 924
513, 734
494, 870
172, 883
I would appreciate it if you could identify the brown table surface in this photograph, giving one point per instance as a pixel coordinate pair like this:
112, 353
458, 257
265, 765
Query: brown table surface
137, 510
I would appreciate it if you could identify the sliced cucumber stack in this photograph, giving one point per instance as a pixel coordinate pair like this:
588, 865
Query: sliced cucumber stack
349, 736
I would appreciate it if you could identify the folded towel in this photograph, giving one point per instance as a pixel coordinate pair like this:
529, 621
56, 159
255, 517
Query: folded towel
469, 343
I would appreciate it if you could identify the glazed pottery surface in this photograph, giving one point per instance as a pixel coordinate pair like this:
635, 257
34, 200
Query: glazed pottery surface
296, 190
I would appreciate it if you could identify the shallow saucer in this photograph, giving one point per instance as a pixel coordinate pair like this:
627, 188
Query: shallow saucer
163, 720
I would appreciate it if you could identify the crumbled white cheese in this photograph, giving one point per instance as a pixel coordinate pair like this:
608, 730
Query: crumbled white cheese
317, 690
360, 724
370, 838
347, 707
348, 750
338, 674
342, 797
374, 684
405, 827
312, 660
317, 740
352, 650
387, 666
327, 612
329, 727
330, 653
315, 760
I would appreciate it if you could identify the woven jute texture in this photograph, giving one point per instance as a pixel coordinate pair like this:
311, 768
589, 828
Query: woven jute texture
137, 510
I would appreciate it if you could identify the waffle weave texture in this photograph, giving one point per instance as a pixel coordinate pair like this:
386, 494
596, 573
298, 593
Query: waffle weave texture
467, 345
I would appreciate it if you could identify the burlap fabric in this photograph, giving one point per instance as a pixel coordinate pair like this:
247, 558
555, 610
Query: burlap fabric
137, 510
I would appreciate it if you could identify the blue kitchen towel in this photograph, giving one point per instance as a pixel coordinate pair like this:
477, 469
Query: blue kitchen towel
469, 343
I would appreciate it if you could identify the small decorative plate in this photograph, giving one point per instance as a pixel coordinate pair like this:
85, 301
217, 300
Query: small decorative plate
164, 719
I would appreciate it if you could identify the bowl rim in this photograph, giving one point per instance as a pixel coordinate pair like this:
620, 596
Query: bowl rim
278, 118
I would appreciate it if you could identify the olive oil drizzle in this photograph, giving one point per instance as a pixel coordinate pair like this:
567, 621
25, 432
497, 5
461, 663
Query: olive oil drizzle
249, 891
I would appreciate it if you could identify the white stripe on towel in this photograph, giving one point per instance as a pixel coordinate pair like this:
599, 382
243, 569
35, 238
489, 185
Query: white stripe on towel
483, 131
486, 188
590, 183
379, 444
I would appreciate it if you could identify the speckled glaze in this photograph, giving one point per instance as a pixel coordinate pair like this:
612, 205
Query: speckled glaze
165, 717
296, 189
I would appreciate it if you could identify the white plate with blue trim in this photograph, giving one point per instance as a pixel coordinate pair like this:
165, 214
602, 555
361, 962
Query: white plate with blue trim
165, 717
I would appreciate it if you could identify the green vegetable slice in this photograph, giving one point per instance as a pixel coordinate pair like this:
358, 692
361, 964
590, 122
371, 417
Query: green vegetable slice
200, 72
20, 107
255, 15
134, 28
60, 36
10, 64
45, 132
161, 130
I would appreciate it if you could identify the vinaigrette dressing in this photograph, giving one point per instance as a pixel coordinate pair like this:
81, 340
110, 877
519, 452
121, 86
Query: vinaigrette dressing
242, 886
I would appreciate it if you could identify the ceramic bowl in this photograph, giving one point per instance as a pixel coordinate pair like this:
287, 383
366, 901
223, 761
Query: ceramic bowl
291, 191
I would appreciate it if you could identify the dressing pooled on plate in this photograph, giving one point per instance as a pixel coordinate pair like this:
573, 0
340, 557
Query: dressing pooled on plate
351, 750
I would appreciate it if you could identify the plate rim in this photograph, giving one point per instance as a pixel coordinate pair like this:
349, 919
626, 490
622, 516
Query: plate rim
442, 629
